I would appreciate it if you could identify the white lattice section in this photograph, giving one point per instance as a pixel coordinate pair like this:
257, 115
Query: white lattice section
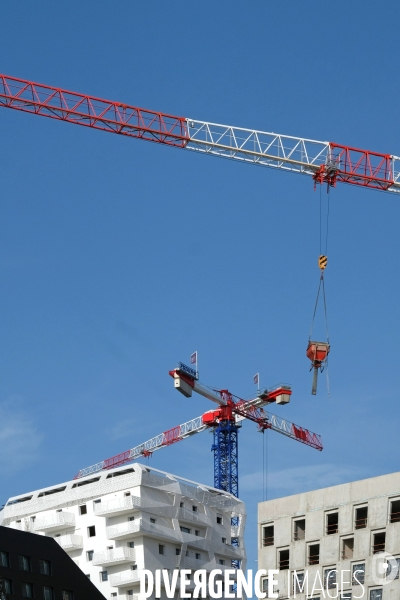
300, 155
396, 172
156, 443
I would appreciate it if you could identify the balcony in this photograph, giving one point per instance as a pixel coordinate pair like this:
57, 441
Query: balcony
191, 516
118, 506
55, 522
195, 541
236, 531
193, 564
124, 579
114, 557
70, 542
127, 504
228, 550
186, 562
141, 527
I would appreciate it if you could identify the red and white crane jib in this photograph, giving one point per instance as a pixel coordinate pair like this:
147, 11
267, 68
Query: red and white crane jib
185, 381
267, 420
325, 162
167, 438
199, 424
250, 409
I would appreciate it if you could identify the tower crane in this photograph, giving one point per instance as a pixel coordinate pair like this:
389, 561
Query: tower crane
224, 421
325, 162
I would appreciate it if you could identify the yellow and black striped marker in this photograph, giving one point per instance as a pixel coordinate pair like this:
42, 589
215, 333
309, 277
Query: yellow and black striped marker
322, 262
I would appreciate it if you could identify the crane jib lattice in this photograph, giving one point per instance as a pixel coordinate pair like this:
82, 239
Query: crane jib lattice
325, 162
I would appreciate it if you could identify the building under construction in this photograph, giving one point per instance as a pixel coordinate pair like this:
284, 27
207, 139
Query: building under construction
351, 529
123, 520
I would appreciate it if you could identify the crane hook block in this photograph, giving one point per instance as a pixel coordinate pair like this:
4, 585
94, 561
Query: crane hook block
322, 262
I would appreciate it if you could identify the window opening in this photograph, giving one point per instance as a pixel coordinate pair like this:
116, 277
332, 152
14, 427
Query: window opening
348, 548
283, 560
332, 523
299, 529
395, 511
378, 544
313, 554
268, 535
361, 517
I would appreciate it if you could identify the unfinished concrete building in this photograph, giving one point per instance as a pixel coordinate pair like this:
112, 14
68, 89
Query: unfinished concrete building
333, 533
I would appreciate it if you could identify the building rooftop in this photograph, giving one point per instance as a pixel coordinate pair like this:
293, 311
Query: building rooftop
75, 491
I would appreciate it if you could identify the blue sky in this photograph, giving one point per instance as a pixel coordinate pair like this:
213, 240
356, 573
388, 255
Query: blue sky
119, 258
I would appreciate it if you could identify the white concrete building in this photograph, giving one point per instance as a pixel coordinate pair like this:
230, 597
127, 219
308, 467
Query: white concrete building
344, 528
117, 522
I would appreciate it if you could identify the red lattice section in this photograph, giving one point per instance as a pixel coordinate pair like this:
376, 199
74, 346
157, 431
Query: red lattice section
93, 112
358, 167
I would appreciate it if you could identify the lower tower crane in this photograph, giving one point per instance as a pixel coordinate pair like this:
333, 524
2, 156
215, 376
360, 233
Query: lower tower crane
224, 421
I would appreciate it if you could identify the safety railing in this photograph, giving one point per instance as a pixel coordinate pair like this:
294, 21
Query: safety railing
284, 564
361, 523
332, 528
268, 541
70, 542
115, 556
59, 520
378, 547
394, 517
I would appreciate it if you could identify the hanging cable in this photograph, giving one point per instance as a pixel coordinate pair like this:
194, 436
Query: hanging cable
266, 465
327, 222
320, 220
325, 311
315, 307
263, 453
318, 352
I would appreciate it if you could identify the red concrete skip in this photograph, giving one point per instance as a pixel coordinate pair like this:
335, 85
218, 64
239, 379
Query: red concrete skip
317, 351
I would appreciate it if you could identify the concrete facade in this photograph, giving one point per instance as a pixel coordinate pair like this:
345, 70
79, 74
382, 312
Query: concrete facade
117, 522
345, 527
